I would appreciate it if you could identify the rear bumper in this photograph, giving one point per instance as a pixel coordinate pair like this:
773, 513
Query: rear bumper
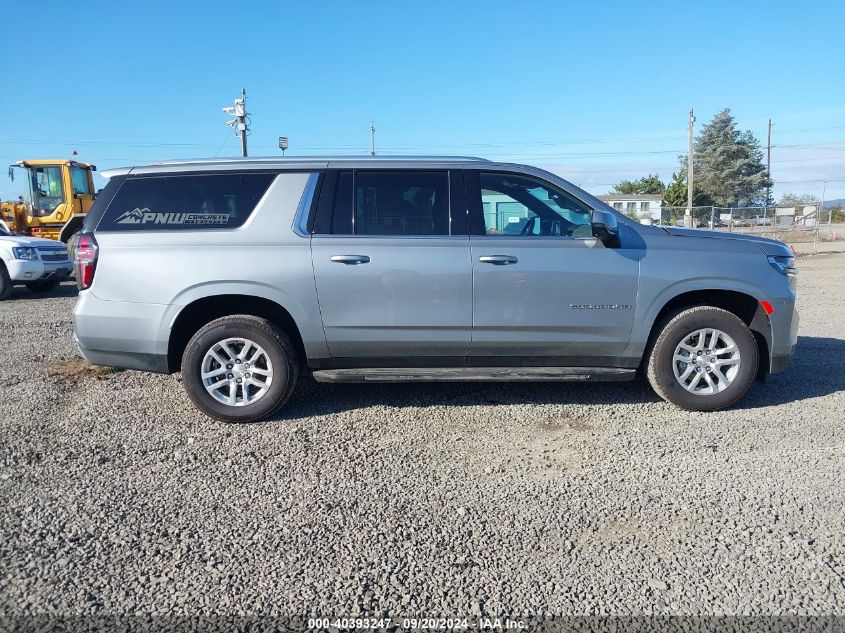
120, 334
125, 360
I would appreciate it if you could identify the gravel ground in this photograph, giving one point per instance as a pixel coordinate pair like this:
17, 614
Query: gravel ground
117, 497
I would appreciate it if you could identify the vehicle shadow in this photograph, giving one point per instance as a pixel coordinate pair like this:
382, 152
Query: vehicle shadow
802, 379
64, 289
817, 369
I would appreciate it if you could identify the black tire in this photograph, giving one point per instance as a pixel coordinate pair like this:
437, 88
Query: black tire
5, 282
278, 347
43, 285
660, 370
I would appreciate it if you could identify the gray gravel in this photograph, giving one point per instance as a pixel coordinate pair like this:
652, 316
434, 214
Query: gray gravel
117, 497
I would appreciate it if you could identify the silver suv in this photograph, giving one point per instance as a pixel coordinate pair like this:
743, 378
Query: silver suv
244, 274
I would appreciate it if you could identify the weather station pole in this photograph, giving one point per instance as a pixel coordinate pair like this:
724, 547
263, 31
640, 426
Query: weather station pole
372, 138
241, 112
240, 121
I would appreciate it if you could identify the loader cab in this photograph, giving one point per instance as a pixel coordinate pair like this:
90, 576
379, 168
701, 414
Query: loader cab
59, 190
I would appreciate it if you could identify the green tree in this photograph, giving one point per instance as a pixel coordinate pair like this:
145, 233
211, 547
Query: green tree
675, 194
728, 164
650, 184
676, 191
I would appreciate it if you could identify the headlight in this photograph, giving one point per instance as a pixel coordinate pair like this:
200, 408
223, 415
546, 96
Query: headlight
25, 252
783, 264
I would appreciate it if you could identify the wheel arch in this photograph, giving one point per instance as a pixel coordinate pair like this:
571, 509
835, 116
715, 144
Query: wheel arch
742, 304
206, 309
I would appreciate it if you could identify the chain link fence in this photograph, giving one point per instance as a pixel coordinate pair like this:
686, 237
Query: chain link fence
805, 223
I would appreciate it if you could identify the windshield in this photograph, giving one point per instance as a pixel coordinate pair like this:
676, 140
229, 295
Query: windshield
4, 230
46, 185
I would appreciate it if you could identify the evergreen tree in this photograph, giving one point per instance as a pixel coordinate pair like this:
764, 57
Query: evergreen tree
675, 194
728, 164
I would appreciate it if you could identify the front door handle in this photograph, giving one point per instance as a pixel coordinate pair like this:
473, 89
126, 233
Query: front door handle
352, 260
498, 260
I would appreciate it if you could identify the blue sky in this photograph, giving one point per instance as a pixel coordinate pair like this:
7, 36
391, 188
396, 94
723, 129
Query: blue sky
594, 91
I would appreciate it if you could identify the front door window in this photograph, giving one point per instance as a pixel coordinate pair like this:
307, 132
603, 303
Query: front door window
517, 205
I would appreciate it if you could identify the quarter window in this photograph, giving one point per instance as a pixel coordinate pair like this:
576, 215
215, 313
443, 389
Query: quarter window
188, 202
517, 205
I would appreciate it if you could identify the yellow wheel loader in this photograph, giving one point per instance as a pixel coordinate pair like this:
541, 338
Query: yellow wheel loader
60, 194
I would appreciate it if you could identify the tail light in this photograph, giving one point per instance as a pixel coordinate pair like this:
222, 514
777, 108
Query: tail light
85, 260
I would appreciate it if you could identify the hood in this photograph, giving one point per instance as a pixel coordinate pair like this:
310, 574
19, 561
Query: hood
768, 246
25, 240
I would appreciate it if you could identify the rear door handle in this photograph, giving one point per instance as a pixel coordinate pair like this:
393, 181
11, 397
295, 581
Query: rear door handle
498, 260
352, 260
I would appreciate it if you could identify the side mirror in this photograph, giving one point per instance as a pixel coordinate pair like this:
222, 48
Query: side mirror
605, 228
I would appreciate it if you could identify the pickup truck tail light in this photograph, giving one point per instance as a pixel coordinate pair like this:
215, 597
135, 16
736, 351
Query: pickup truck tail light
85, 260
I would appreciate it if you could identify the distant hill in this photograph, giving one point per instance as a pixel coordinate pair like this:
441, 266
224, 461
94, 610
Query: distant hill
838, 202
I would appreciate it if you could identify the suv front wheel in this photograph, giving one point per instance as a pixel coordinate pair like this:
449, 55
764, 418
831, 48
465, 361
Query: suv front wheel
704, 359
239, 368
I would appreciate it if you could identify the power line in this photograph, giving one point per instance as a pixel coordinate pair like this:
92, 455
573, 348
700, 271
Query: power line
427, 146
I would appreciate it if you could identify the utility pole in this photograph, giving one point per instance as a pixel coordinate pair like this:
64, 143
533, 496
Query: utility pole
372, 138
689, 166
240, 120
769, 163
821, 210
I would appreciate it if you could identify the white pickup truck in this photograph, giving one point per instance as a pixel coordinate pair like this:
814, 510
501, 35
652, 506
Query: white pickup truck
37, 263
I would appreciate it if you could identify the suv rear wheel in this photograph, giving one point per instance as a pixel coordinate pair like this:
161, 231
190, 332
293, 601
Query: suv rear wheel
704, 359
239, 368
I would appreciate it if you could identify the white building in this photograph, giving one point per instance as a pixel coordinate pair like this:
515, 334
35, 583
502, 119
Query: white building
640, 206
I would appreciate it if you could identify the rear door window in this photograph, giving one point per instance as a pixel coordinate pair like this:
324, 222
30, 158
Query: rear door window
192, 202
399, 202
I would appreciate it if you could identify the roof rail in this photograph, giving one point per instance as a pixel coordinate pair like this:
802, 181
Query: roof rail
320, 158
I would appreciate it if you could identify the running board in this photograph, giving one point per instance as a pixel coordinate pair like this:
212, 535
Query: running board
474, 374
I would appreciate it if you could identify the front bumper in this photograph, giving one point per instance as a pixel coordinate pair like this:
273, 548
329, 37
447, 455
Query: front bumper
784, 340
26, 270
